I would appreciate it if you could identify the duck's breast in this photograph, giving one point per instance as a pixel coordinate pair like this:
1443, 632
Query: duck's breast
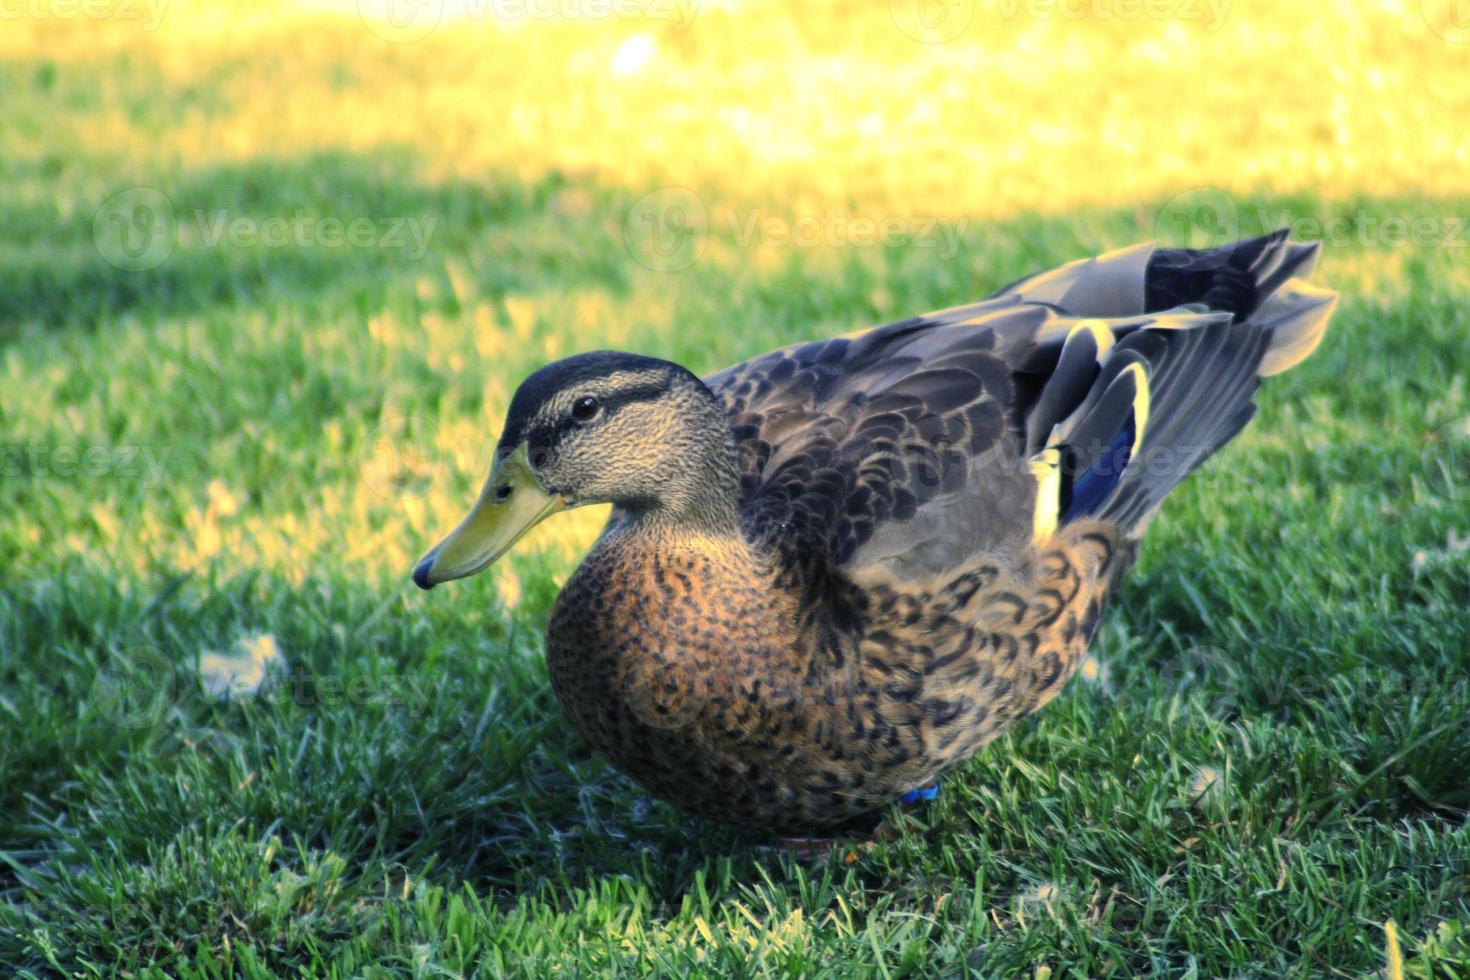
690, 668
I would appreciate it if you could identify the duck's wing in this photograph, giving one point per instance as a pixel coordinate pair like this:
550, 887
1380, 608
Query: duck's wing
1087, 391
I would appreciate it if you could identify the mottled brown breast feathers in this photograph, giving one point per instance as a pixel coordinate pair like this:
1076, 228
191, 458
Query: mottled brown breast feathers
705, 674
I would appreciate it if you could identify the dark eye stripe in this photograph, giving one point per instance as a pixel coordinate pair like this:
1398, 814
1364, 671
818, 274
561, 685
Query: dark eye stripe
610, 404
627, 396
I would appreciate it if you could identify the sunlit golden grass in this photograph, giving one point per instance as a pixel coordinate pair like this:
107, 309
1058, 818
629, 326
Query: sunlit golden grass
840, 108
836, 106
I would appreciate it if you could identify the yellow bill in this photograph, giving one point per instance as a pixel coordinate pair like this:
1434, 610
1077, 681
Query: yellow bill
511, 503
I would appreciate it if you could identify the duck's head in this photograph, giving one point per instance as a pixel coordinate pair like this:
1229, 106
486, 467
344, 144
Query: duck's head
603, 427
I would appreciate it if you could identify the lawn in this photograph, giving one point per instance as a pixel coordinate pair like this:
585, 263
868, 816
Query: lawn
269, 275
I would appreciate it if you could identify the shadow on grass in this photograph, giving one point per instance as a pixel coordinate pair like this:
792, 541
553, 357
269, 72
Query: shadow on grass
398, 738
403, 738
284, 230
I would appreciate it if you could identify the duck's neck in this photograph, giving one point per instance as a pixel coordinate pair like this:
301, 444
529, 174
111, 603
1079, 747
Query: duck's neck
699, 485
700, 495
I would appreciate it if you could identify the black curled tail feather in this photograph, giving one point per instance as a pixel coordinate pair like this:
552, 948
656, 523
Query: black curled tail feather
1132, 407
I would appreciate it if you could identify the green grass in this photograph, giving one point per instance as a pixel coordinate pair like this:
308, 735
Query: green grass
1273, 761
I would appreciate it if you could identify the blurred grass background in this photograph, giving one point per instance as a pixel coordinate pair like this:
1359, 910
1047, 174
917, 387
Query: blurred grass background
212, 434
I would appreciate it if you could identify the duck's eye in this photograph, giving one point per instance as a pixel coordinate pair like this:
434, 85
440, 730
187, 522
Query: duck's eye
584, 408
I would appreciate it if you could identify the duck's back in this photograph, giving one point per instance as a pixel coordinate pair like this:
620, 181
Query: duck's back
914, 446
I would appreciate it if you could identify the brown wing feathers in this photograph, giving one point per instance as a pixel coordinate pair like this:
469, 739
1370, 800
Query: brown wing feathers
837, 441
1143, 351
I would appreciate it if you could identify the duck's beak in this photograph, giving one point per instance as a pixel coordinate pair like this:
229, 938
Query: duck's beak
511, 503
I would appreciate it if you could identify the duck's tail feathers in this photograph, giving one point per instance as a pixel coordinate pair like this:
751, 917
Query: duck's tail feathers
1132, 403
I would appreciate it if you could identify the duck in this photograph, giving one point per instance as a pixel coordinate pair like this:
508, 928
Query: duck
833, 573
